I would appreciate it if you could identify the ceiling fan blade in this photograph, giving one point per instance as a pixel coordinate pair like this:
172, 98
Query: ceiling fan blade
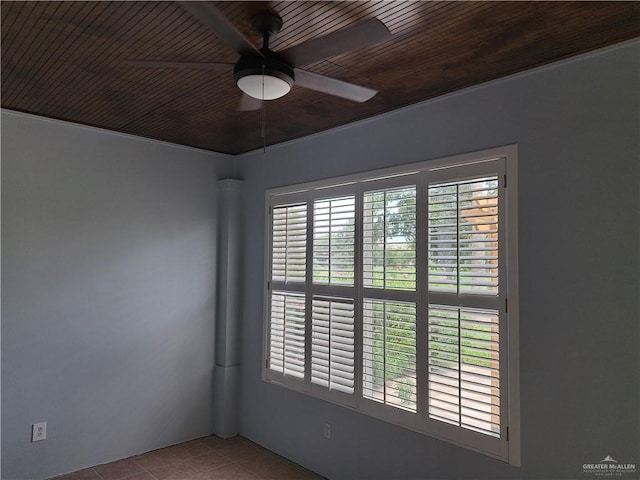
360, 35
211, 17
332, 86
248, 103
187, 65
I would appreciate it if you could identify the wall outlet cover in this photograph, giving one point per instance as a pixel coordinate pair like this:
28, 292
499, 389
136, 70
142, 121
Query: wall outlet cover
39, 431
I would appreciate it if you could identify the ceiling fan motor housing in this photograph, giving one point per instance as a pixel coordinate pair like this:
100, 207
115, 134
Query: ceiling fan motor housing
273, 67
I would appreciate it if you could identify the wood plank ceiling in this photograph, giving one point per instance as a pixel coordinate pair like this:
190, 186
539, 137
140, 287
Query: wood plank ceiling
67, 60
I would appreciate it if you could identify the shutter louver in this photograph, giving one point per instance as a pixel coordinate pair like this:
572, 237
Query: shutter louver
334, 241
463, 236
332, 344
464, 368
389, 234
389, 353
289, 243
286, 337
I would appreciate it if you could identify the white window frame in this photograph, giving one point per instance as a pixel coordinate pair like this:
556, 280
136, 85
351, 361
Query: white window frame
507, 448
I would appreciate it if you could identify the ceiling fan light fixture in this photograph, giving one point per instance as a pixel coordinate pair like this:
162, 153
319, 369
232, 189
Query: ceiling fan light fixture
263, 87
263, 78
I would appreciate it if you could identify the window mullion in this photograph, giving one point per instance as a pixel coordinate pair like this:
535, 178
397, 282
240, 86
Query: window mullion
288, 286
384, 249
422, 291
358, 278
459, 370
458, 273
384, 347
308, 297
390, 295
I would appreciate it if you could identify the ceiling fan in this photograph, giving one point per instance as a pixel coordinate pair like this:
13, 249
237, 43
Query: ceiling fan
266, 75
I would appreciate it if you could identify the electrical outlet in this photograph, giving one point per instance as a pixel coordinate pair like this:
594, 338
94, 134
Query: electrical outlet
39, 431
327, 430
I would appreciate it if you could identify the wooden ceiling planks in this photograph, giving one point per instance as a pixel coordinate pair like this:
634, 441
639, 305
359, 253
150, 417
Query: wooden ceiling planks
68, 60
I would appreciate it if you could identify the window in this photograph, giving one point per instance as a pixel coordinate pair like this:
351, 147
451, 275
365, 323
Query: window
394, 293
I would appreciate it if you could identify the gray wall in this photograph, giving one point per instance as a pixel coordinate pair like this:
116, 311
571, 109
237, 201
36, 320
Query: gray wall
108, 285
577, 127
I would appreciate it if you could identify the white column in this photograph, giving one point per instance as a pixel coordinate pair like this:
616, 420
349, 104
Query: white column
227, 352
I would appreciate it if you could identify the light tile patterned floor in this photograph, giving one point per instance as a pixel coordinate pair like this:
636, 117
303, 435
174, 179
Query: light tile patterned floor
207, 458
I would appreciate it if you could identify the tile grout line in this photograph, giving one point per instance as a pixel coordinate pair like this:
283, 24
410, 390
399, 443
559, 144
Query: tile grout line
143, 469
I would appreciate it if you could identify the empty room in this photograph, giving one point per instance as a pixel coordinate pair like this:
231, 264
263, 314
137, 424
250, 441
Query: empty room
291, 240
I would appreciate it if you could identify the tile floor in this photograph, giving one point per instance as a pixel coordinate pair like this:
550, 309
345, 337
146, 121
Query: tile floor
207, 458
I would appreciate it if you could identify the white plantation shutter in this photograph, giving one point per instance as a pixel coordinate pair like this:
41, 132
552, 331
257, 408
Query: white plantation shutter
289, 243
464, 375
287, 334
463, 236
332, 314
332, 344
389, 230
464, 387
334, 241
389, 353
287, 303
478, 236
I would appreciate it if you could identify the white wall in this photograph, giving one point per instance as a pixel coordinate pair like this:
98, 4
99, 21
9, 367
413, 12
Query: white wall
108, 285
577, 126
